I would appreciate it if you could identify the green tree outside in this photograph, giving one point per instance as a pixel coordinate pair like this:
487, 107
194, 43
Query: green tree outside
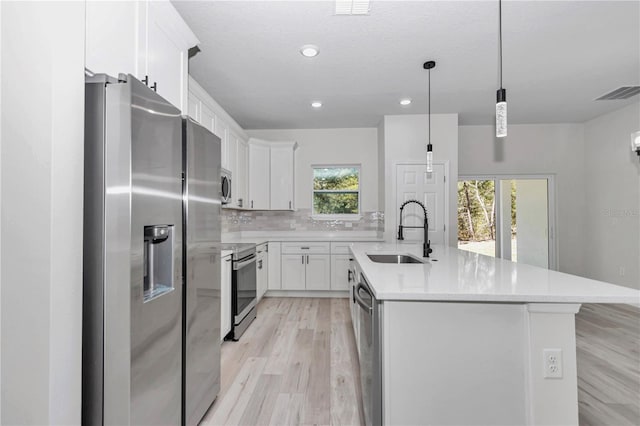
335, 190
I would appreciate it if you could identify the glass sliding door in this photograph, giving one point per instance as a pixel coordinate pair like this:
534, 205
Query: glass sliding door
477, 216
509, 217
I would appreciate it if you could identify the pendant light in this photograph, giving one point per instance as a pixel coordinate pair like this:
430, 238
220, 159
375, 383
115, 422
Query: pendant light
501, 95
429, 65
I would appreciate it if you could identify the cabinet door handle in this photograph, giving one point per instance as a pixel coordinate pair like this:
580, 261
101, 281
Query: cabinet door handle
155, 86
304, 248
259, 264
289, 205
145, 80
251, 203
307, 259
302, 258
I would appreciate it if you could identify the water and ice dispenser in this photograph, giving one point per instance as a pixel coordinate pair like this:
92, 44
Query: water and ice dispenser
158, 260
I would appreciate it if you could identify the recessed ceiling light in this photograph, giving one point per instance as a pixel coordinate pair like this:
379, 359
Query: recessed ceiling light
309, 50
405, 102
316, 104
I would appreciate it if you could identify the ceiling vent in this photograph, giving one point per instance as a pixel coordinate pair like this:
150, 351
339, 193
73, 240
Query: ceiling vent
352, 7
624, 92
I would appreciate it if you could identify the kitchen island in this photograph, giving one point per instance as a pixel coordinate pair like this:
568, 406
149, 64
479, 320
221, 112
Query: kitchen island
461, 338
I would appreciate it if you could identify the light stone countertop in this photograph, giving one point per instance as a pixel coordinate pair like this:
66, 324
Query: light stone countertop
457, 275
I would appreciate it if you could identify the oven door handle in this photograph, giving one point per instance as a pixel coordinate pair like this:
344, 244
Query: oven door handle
361, 302
245, 262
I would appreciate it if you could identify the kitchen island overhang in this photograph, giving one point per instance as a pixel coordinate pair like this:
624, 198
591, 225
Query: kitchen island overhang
466, 338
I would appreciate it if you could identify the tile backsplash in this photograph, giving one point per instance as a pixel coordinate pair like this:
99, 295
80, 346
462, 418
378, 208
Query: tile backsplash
300, 220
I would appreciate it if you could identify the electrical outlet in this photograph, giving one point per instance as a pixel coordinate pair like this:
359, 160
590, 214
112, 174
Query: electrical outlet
552, 361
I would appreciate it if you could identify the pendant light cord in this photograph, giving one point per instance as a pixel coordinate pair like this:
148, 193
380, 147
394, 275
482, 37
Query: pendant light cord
429, 106
500, 37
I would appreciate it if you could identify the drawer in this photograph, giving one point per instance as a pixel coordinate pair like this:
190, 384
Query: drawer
340, 247
318, 247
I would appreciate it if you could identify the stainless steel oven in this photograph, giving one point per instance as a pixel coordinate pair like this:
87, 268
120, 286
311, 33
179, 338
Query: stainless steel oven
370, 351
243, 290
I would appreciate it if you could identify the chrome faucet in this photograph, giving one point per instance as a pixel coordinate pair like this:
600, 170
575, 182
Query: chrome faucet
426, 246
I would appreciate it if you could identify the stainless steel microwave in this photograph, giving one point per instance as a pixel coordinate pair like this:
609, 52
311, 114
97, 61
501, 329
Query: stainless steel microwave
225, 186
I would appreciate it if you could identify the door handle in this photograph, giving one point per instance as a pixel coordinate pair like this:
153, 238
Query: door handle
289, 205
251, 203
155, 86
360, 301
307, 259
302, 258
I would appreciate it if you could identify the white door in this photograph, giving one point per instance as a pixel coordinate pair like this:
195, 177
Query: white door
414, 183
261, 275
282, 177
207, 118
340, 271
318, 271
274, 282
258, 176
165, 59
194, 107
293, 271
241, 174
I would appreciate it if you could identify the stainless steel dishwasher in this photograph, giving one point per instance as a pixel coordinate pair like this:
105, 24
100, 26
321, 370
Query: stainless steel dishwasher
370, 352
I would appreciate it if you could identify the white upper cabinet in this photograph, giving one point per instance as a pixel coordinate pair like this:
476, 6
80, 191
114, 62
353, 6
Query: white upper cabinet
168, 40
259, 165
194, 107
147, 39
241, 173
110, 46
282, 176
207, 118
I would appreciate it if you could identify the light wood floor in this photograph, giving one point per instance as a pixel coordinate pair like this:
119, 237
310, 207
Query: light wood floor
608, 351
295, 365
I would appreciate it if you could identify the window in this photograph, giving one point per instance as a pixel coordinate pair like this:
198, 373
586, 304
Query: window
336, 190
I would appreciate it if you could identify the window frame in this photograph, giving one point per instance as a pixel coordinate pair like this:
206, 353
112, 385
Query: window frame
337, 216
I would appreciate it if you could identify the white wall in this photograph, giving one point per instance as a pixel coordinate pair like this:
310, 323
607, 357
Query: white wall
612, 207
537, 149
405, 139
331, 146
41, 213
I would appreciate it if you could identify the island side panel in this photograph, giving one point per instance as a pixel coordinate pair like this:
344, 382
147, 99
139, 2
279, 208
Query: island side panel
454, 363
554, 401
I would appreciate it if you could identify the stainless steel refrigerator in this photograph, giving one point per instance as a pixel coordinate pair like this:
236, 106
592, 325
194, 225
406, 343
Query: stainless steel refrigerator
133, 277
202, 202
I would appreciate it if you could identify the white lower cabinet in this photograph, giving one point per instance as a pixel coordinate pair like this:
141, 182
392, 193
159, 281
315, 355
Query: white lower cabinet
262, 271
340, 271
293, 272
275, 266
318, 272
225, 296
306, 266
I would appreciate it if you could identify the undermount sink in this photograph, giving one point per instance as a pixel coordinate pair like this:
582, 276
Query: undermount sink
393, 258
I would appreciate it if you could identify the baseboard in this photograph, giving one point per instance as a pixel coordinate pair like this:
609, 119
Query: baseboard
307, 293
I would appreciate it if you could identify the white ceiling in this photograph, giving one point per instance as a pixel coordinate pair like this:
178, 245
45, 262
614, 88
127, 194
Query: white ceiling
558, 57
